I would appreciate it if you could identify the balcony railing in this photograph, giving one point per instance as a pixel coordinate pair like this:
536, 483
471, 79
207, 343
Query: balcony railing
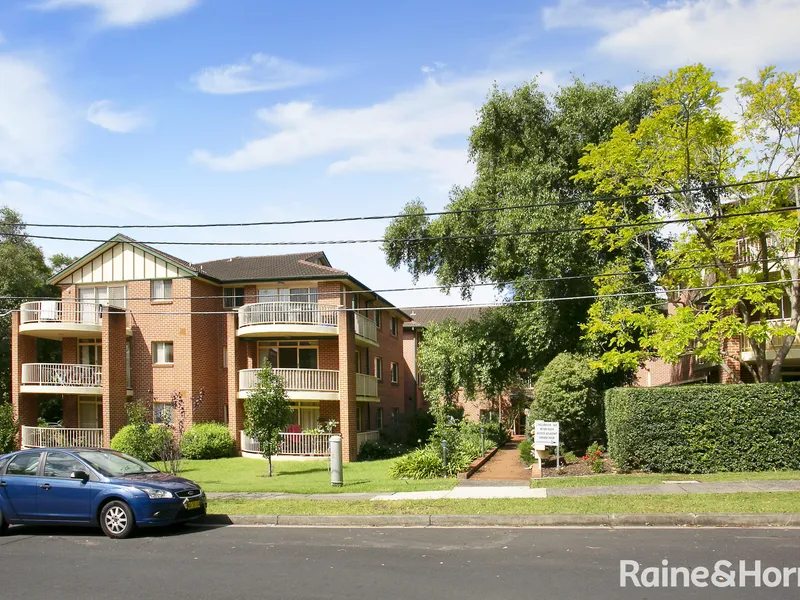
367, 436
294, 444
291, 313
60, 311
61, 375
61, 437
366, 328
366, 385
777, 340
295, 380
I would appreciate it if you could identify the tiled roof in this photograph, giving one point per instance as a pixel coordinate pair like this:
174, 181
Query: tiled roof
421, 317
281, 266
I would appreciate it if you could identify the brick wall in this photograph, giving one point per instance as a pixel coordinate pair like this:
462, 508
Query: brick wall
328, 354
23, 350
330, 292
653, 373
235, 406
114, 392
347, 386
206, 348
412, 387
390, 349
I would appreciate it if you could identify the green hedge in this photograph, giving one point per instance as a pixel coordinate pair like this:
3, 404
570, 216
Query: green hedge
705, 428
206, 441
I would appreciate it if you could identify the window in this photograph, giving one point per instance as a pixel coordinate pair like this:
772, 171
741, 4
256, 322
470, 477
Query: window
90, 352
359, 418
25, 464
113, 295
379, 368
358, 361
378, 318
393, 326
160, 290
379, 418
232, 297
162, 413
288, 295
288, 355
395, 369
305, 416
90, 412
162, 353
58, 464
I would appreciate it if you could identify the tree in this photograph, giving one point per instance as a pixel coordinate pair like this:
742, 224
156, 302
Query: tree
168, 437
268, 412
525, 148
567, 392
676, 159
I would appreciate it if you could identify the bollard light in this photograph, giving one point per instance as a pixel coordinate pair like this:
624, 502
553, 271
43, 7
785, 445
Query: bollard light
335, 443
444, 454
483, 445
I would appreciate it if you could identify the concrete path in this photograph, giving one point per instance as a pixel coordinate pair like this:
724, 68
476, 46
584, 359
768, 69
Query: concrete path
504, 490
505, 465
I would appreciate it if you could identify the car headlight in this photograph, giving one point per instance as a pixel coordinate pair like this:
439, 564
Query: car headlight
155, 494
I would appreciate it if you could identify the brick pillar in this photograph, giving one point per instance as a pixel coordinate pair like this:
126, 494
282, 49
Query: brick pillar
347, 385
23, 351
113, 372
69, 351
732, 347
235, 406
69, 411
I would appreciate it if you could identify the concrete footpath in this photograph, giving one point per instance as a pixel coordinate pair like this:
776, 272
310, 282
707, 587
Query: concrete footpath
513, 489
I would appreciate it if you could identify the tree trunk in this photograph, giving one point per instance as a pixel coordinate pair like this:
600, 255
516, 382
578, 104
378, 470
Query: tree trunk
269, 460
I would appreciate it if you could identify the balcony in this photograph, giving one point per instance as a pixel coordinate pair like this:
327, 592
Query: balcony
366, 330
312, 384
287, 318
61, 437
57, 319
304, 444
749, 355
56, 378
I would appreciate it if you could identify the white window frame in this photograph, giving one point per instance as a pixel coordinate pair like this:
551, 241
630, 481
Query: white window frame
164, 294
157, 355
394, 372
379, 368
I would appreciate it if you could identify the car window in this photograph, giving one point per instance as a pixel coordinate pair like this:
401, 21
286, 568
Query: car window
24, 464
115, 464
59, 464
3, 462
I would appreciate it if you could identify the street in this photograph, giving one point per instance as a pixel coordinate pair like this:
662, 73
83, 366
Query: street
287, 563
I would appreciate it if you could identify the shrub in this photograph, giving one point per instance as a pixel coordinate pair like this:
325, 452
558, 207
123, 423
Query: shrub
594, 456
567, 392
705, 428
380, 450
411, 429
136, 441
8, 428
526, 453
206, 441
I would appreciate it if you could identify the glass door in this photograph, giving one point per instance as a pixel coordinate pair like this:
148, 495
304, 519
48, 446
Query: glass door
90, 412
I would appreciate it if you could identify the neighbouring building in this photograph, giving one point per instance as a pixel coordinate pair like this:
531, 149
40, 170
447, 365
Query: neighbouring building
134, 322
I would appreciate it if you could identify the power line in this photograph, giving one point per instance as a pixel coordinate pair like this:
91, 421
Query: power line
427, 214
535, 232
484, 305
442, 287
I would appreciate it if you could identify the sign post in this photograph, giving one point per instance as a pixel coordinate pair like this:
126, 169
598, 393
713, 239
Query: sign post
546, 433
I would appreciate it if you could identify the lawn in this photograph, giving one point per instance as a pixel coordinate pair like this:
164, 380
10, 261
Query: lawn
301, 477
651, 478
758, 502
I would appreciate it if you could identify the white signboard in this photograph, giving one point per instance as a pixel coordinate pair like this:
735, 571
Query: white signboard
545, 433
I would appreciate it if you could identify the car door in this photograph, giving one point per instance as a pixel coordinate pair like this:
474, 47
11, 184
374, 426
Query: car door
59, 497
19, 484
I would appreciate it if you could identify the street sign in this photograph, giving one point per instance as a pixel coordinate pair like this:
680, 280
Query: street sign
545, 433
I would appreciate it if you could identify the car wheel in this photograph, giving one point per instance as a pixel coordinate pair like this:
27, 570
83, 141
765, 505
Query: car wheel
116, 520
3, 524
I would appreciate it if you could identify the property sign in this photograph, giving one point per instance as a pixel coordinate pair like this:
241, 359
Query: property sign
545, 433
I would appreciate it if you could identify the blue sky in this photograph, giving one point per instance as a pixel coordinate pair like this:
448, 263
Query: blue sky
159, 111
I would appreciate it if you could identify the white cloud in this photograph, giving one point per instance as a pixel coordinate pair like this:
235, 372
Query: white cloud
34, 127
408, 132
260, 73
126, 13
104, 114
736, 35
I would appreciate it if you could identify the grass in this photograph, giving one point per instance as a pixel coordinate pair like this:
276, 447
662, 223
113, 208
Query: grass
651, 478
757, 502
301, 477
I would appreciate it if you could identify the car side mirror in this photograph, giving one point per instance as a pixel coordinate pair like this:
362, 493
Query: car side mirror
82, 475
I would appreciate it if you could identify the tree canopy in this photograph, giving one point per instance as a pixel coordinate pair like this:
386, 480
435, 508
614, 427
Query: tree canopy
267, 412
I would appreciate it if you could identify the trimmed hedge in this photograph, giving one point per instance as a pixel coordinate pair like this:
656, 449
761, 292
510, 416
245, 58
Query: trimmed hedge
206, 441
705, 428
140, 441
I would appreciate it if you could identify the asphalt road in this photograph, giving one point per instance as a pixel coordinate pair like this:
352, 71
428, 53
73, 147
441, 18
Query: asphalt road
383, 564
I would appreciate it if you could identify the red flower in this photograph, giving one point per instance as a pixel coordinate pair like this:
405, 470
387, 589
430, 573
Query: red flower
598, 453
586, 457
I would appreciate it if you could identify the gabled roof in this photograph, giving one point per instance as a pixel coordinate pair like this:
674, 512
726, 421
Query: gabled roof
307, 265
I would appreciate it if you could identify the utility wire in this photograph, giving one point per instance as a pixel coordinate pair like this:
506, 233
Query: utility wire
535, 232
442, 287
426, 214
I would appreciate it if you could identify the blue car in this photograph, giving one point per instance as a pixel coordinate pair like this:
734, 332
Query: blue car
82, 486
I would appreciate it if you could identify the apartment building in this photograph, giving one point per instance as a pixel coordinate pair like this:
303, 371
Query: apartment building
135, 322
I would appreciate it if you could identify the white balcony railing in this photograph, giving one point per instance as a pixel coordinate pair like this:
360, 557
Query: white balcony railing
61, 437
61, 375
60, 311
366, 328
366, 385
367, 436
293, 313
295, 380
775, 342
294, 444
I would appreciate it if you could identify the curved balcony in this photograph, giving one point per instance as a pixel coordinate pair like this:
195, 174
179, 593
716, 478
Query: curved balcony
776, 342
287, 318
53, 378
312, 384
57, 319
366, 330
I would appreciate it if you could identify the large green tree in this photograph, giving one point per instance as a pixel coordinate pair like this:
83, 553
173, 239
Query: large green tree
525, 148
673, 164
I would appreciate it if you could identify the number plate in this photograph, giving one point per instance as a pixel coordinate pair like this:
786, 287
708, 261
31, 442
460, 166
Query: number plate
193, 505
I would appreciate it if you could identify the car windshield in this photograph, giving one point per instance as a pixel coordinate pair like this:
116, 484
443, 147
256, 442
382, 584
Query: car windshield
115, 464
